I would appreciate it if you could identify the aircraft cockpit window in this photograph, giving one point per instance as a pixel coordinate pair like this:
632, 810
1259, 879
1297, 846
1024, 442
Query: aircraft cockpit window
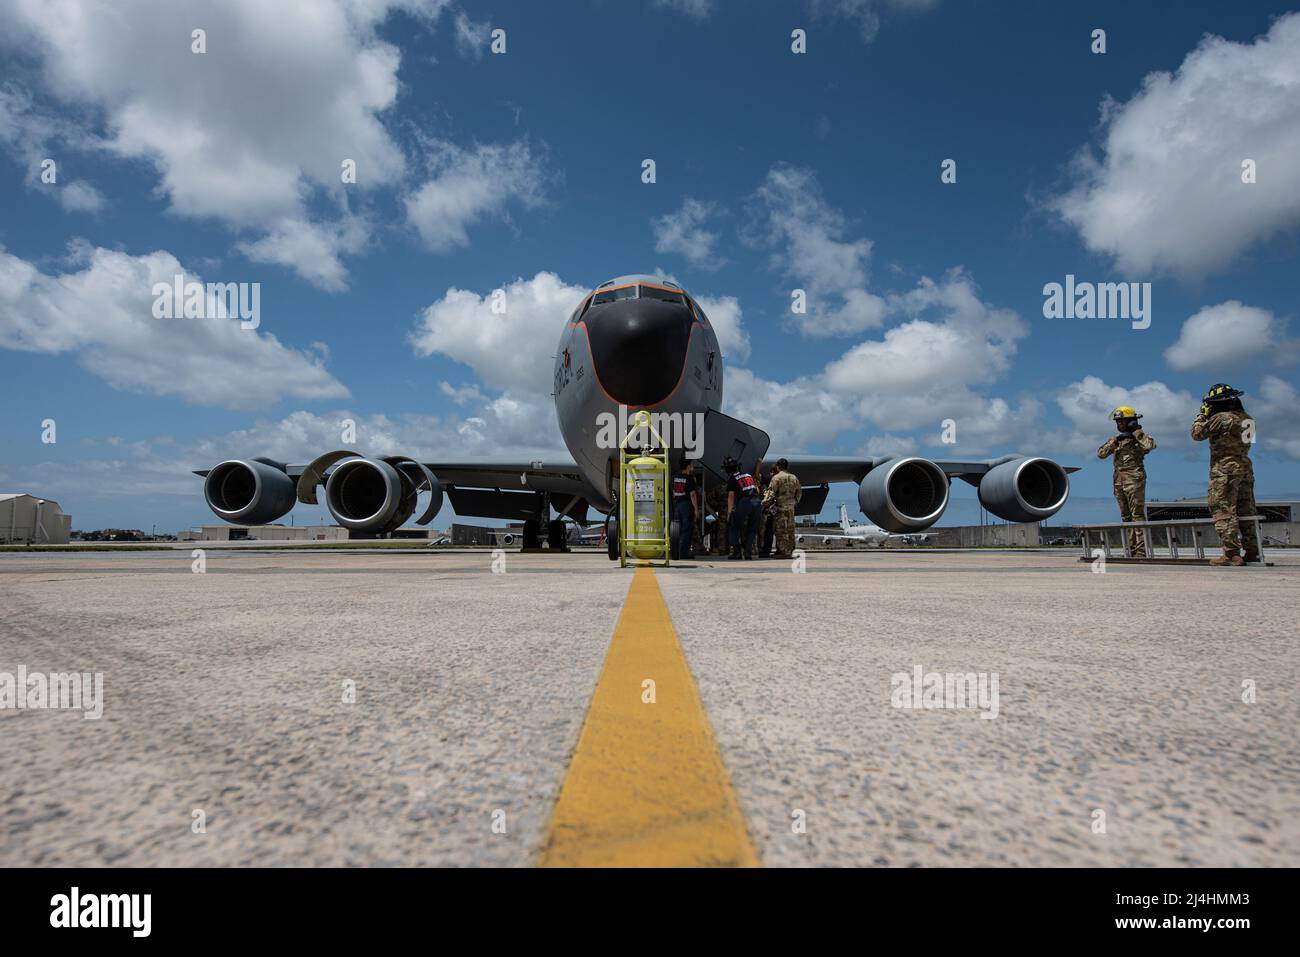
614, 295
651, 292
700, 312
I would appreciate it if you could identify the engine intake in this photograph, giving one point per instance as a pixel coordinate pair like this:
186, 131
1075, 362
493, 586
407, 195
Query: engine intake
253, 492
1025, 489
375, 496
904, 495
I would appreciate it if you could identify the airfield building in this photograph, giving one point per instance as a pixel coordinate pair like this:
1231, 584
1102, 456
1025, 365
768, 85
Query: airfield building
264, 533
1281, 525
29, 520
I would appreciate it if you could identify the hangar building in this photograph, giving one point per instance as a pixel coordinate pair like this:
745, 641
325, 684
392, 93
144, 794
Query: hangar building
28, 520
1281, 525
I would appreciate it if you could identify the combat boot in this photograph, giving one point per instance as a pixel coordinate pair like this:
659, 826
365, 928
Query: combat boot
1230, 557
1250, 555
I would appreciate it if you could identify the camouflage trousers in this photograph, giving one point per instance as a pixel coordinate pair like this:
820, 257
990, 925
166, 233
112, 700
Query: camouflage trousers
784, 522
1131, 495
1232, 493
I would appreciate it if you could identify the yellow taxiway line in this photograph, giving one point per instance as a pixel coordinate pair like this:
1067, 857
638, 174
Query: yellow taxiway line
646, 786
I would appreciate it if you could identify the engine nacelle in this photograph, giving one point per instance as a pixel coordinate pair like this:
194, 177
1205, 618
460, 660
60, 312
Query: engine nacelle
1025, 489
249, 492
904, 494
375, 496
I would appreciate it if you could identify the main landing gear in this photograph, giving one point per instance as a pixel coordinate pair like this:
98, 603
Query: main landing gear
611, 536
556, 537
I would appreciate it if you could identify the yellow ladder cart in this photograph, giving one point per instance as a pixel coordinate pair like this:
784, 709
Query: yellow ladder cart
644, 530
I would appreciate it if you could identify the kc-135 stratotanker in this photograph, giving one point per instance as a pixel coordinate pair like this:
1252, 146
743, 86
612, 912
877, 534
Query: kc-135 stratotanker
636, 342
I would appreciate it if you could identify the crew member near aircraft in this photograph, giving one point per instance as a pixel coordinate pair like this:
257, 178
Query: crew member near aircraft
1130, 447
767, 530
783, 493
686, 508
1230, 431
761, 522
742, 508
715, 498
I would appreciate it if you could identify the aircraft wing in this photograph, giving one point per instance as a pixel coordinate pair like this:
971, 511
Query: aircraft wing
815, 469
512, 489
536, 476
489, 488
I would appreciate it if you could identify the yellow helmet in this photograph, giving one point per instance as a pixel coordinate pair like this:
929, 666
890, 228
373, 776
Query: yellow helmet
1124, 412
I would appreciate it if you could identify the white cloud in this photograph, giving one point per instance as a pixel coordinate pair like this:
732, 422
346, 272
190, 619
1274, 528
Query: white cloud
489, 430
683, 232
248, 132
915, 376
695, 9
1229, 334
469, 185
885, 445
312, 249
724, 314
1274, 408
924, 366
471, 36
34, 138
866, 13
808, 232
502, 349
462, 395
798, 414
80, 197
102, 314
1166, 413
1166, 193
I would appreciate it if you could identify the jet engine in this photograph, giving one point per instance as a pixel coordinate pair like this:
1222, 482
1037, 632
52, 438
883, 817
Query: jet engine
375, 496
249, 492
904, 494
1024, 489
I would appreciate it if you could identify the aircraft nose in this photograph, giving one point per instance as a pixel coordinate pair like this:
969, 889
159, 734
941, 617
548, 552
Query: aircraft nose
639, 348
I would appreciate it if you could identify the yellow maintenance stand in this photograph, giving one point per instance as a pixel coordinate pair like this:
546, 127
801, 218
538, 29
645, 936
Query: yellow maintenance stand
644, 533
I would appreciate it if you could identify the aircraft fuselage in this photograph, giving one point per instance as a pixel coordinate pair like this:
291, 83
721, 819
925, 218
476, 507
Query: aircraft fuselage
636, 342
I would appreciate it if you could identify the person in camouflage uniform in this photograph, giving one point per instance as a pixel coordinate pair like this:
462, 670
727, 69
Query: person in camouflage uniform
783, 493
1230, 431
715, 497
1130, 447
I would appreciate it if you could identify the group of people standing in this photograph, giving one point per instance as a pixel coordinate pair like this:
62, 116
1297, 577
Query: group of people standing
1225, 424
751, 516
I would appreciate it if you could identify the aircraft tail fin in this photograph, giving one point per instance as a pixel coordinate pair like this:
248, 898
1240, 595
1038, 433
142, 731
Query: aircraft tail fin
844, 517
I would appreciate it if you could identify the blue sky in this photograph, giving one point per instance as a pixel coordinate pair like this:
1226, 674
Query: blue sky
522, 171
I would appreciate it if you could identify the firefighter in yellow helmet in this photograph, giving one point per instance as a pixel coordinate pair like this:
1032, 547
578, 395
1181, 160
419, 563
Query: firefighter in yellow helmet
1129, 448
1230, 431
